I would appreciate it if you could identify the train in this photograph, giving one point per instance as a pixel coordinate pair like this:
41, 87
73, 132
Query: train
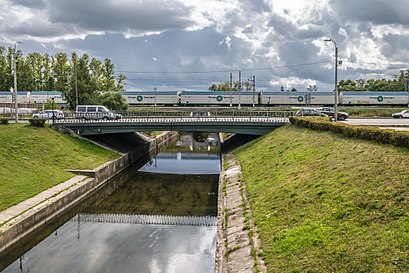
218, 98
36, 97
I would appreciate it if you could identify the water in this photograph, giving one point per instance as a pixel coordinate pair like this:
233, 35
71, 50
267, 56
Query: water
161, 218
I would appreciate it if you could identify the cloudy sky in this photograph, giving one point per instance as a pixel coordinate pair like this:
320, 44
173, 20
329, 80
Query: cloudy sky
190, 44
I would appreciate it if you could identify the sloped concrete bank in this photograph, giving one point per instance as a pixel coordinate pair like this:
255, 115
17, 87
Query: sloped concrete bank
238, 247
20, 220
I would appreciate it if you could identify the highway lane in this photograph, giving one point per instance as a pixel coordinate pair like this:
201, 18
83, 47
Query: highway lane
380, 122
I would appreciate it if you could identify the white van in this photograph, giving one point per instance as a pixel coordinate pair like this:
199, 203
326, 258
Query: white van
95, 112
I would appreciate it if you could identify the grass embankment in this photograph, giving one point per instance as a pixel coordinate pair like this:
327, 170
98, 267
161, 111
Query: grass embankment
323, 203
33, 159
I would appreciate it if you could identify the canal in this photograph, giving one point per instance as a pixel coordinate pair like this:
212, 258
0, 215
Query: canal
156, 217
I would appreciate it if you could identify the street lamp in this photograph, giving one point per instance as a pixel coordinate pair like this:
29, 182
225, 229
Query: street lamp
15, 79
154, 89
336, 79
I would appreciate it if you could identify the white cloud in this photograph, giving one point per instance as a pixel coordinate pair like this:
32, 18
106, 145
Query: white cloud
216, 34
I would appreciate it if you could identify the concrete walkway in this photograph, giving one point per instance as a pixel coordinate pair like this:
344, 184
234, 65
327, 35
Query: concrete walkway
237, 234
23, 218
11, 213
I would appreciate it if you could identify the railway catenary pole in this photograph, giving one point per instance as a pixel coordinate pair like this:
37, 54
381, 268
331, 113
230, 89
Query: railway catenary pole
253, 84
239, 107
231, 87
15, 79
336, 80
76, 85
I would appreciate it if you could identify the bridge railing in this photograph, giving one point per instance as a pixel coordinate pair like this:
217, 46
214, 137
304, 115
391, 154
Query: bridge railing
203, 115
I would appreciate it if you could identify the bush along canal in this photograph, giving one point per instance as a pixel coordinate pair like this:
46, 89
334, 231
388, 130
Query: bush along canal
160, 217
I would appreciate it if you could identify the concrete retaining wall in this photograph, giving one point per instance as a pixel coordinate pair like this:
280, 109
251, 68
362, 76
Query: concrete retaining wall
20, 220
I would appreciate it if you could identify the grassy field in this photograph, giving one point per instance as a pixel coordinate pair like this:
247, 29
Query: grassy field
323, 203
33, 159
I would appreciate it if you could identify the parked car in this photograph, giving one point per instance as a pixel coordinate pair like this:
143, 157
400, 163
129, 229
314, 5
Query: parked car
95, 112
331, 112
310, 112
401, 114
200, 114
49, 114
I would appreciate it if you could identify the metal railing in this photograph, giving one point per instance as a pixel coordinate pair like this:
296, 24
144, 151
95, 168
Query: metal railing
178, 116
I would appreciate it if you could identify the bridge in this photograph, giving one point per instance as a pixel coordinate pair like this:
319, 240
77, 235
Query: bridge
242, 122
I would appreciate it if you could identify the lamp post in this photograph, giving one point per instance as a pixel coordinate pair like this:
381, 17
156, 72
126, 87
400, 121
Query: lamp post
154, 89
15, 79
336, 80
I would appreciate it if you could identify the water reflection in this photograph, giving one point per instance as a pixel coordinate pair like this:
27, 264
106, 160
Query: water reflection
172, 184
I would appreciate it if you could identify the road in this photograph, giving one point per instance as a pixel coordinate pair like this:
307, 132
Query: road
386, 123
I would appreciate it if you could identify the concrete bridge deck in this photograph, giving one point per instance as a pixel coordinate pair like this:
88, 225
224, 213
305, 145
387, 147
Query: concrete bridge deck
253, 123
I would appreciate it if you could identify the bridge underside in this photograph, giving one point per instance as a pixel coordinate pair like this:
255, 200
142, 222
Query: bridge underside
99, 128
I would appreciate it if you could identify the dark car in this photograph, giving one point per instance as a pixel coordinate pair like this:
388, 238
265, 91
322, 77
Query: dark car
330, 112
310, 112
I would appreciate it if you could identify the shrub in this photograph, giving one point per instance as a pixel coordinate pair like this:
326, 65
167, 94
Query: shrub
393, 137
4, 120
38, 122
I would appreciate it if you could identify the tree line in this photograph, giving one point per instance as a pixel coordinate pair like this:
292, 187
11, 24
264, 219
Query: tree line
88, 80
398, 83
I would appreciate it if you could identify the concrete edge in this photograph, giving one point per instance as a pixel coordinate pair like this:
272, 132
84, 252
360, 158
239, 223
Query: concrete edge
25, 217
235, 246
220, 261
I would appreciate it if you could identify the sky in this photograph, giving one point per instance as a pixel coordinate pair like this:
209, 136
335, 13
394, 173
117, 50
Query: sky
190, 44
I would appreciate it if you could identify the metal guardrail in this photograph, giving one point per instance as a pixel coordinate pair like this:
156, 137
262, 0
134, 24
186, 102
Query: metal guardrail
178, 116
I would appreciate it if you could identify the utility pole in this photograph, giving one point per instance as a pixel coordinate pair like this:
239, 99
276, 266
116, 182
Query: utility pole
76, 85
154, 89
231, 87
253, 87
15, 80
239, 107
336, 80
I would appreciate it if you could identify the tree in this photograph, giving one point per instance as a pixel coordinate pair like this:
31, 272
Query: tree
36, 72
312, 88
108, 82
120, 82
48, 80
61, 72
114, 101
383, 85
225, 86
6, 77
96, 72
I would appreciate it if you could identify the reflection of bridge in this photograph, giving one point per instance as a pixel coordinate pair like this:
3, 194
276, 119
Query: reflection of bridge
249, 122
146, 219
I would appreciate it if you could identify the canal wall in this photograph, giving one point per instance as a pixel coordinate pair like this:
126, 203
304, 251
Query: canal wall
238, 244
20, 220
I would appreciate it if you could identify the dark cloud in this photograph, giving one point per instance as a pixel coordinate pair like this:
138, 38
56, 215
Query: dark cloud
242, 34
378, 12
303, 53
394, 47
35, 4
110, 16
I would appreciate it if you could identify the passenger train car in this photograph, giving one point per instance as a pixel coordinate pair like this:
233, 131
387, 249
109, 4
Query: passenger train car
218, 98
32, 97
245, 98
151, 97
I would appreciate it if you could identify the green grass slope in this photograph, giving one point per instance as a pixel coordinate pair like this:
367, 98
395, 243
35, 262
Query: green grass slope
323, 203
33, 159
